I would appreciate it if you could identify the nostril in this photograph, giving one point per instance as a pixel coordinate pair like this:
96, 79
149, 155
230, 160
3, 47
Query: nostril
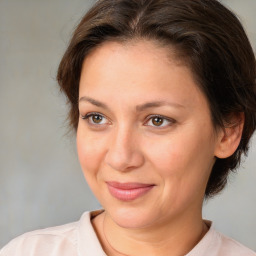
124, 160
124, 152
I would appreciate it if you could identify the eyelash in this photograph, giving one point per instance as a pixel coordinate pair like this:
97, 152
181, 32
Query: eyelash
165, 119
151, 117
91, 114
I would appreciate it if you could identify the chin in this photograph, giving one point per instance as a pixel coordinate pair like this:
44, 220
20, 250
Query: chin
132, 217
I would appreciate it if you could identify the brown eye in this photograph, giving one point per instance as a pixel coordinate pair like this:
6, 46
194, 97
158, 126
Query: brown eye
157, 121
97, 119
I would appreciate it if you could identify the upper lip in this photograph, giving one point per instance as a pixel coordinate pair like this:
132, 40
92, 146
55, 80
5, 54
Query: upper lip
128, 185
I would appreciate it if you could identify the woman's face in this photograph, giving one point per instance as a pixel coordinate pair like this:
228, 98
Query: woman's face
145, 138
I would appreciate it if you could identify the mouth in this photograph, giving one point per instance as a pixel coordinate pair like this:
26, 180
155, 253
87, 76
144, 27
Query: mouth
128, 191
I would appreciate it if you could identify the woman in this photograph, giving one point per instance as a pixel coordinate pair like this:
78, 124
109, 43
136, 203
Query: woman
163, 100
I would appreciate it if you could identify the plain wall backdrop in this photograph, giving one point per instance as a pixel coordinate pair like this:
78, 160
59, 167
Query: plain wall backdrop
41, 183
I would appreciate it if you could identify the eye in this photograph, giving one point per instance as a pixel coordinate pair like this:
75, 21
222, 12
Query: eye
159, 121
95, 119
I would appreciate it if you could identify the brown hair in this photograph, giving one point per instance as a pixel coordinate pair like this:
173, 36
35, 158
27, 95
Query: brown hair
203, 32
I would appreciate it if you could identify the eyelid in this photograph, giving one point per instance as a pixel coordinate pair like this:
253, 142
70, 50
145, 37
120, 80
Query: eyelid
88, 115
150, 117
170, 120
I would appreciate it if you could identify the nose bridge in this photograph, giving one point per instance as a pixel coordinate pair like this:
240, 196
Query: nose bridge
124, 151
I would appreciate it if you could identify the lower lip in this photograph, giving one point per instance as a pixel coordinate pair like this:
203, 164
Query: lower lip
128, 194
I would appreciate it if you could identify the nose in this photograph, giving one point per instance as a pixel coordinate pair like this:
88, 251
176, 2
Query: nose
124, 153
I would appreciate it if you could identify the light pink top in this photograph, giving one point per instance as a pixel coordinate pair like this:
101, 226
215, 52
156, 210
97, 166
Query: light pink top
79, 239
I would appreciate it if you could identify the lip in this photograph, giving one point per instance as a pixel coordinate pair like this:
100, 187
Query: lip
128, 191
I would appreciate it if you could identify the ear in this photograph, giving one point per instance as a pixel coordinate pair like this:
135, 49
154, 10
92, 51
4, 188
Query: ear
229, 137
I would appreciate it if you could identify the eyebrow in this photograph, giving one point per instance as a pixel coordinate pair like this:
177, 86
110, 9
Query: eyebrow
94, 102
139, 108
157, 104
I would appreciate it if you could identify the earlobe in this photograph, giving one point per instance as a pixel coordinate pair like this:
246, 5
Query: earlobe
229, 137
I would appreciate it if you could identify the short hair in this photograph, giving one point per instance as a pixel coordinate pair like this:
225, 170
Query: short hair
203, 33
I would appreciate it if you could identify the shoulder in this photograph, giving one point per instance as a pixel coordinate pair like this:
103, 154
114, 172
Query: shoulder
229, 246
43, 242
54, 241
217, 244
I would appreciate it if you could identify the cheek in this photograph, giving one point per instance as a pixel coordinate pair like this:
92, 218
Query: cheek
185, 155
166, 155
90, 151
183, 163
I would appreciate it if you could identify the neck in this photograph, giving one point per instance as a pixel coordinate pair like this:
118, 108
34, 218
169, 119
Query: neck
178, 236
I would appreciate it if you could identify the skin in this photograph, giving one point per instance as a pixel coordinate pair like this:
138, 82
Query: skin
176, 155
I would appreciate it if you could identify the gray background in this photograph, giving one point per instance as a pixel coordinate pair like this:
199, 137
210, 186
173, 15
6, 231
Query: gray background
41, 183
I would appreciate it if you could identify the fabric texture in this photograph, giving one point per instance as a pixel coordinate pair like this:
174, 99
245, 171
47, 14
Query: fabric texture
80, 239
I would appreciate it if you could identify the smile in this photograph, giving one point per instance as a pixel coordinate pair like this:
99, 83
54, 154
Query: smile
128, 191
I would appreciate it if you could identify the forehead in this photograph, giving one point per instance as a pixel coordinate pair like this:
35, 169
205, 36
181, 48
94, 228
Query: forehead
147, 50
137, 69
